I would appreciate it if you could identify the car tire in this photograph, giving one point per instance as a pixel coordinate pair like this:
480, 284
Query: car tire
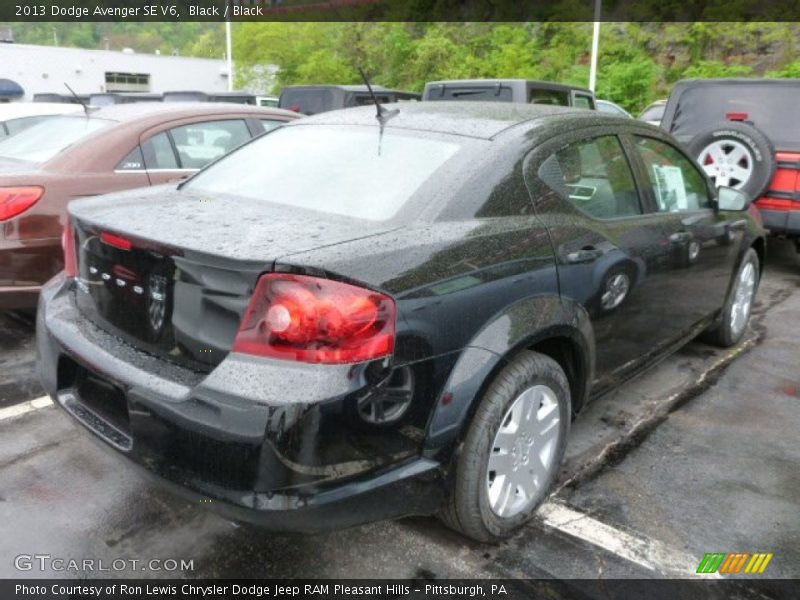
738, 306
531, 379
728, 141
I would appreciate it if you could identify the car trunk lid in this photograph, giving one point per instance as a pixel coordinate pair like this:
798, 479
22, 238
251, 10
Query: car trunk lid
172, 274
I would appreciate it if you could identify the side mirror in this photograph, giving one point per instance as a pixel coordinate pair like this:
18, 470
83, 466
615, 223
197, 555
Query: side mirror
731, 199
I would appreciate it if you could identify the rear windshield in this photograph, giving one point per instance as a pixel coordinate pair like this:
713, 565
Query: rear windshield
309, 102
43, 141
772, 107
492, 93
330, 169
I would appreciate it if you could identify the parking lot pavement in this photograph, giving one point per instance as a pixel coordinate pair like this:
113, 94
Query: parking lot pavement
697, 455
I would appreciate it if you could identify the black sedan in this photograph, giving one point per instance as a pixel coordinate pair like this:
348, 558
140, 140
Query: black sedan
345, 321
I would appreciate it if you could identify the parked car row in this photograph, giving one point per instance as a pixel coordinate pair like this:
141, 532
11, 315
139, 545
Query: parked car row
107, 98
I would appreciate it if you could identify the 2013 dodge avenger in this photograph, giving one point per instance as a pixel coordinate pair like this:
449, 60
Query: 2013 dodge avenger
347, 320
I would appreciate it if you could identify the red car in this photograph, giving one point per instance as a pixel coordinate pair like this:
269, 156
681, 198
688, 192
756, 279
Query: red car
746, 134
110, 149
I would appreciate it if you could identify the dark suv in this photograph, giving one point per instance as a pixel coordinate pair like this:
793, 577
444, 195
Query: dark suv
314, 99
746, 134
525, 91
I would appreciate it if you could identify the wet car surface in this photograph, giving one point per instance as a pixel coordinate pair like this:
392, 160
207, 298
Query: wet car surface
509, 239
66, 496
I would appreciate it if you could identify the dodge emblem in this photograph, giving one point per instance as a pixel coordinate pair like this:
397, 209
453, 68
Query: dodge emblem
157, 302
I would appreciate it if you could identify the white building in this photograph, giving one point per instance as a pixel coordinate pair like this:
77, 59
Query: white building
45, 69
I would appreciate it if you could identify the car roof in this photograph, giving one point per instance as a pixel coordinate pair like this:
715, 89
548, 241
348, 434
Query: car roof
685, 83
551, 85
175, 110
16, 110
473, 119
346, 88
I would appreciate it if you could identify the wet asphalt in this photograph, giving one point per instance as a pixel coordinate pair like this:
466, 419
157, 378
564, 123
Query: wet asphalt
699, 455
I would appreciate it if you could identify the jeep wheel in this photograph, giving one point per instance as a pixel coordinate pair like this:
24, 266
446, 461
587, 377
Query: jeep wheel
736, 155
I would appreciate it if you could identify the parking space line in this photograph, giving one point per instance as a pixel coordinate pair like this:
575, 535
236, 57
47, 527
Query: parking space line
25, 407
648, 553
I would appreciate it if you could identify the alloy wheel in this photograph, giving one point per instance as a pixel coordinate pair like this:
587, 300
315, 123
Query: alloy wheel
743, 299
521, 458
727, 162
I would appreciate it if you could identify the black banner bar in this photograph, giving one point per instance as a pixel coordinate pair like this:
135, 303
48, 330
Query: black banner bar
398, 10
389, 589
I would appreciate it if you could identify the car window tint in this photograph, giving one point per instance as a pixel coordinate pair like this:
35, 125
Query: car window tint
594, 175
42, 141
269, 124
158, 153
133, 162
677, 185
582, 101
200, 143
16, 125
342, 171
552, 97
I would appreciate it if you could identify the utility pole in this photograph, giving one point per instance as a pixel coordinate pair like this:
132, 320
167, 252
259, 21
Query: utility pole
598, 6
229, 50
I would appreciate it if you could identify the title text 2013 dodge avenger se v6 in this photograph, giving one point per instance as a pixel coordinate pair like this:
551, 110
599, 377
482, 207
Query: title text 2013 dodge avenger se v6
342, 322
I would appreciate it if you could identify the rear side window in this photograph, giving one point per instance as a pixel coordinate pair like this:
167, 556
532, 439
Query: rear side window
200, 143
583, 101
158, 153
677, 185
552, 97
594, 176
332, 169
134, 161
270, 124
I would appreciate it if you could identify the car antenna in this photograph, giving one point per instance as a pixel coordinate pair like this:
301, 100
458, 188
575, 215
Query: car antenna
81, 102
382, 115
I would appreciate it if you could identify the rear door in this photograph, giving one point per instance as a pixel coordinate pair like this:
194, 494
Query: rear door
173, 152
704, 243
613, 255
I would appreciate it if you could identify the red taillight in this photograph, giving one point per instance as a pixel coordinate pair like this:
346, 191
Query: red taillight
115, 240
736, 116
70, 250
294, 108
16, 200
777, 204
308, 319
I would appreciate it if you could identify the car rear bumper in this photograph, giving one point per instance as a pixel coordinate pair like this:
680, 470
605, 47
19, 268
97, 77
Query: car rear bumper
260, 441
24, 267
781, 222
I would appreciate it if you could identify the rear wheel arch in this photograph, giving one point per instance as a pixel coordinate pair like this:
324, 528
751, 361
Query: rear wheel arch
556, 327
562, 345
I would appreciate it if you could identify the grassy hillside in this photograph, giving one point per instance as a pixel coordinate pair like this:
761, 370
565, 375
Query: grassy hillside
638, 62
